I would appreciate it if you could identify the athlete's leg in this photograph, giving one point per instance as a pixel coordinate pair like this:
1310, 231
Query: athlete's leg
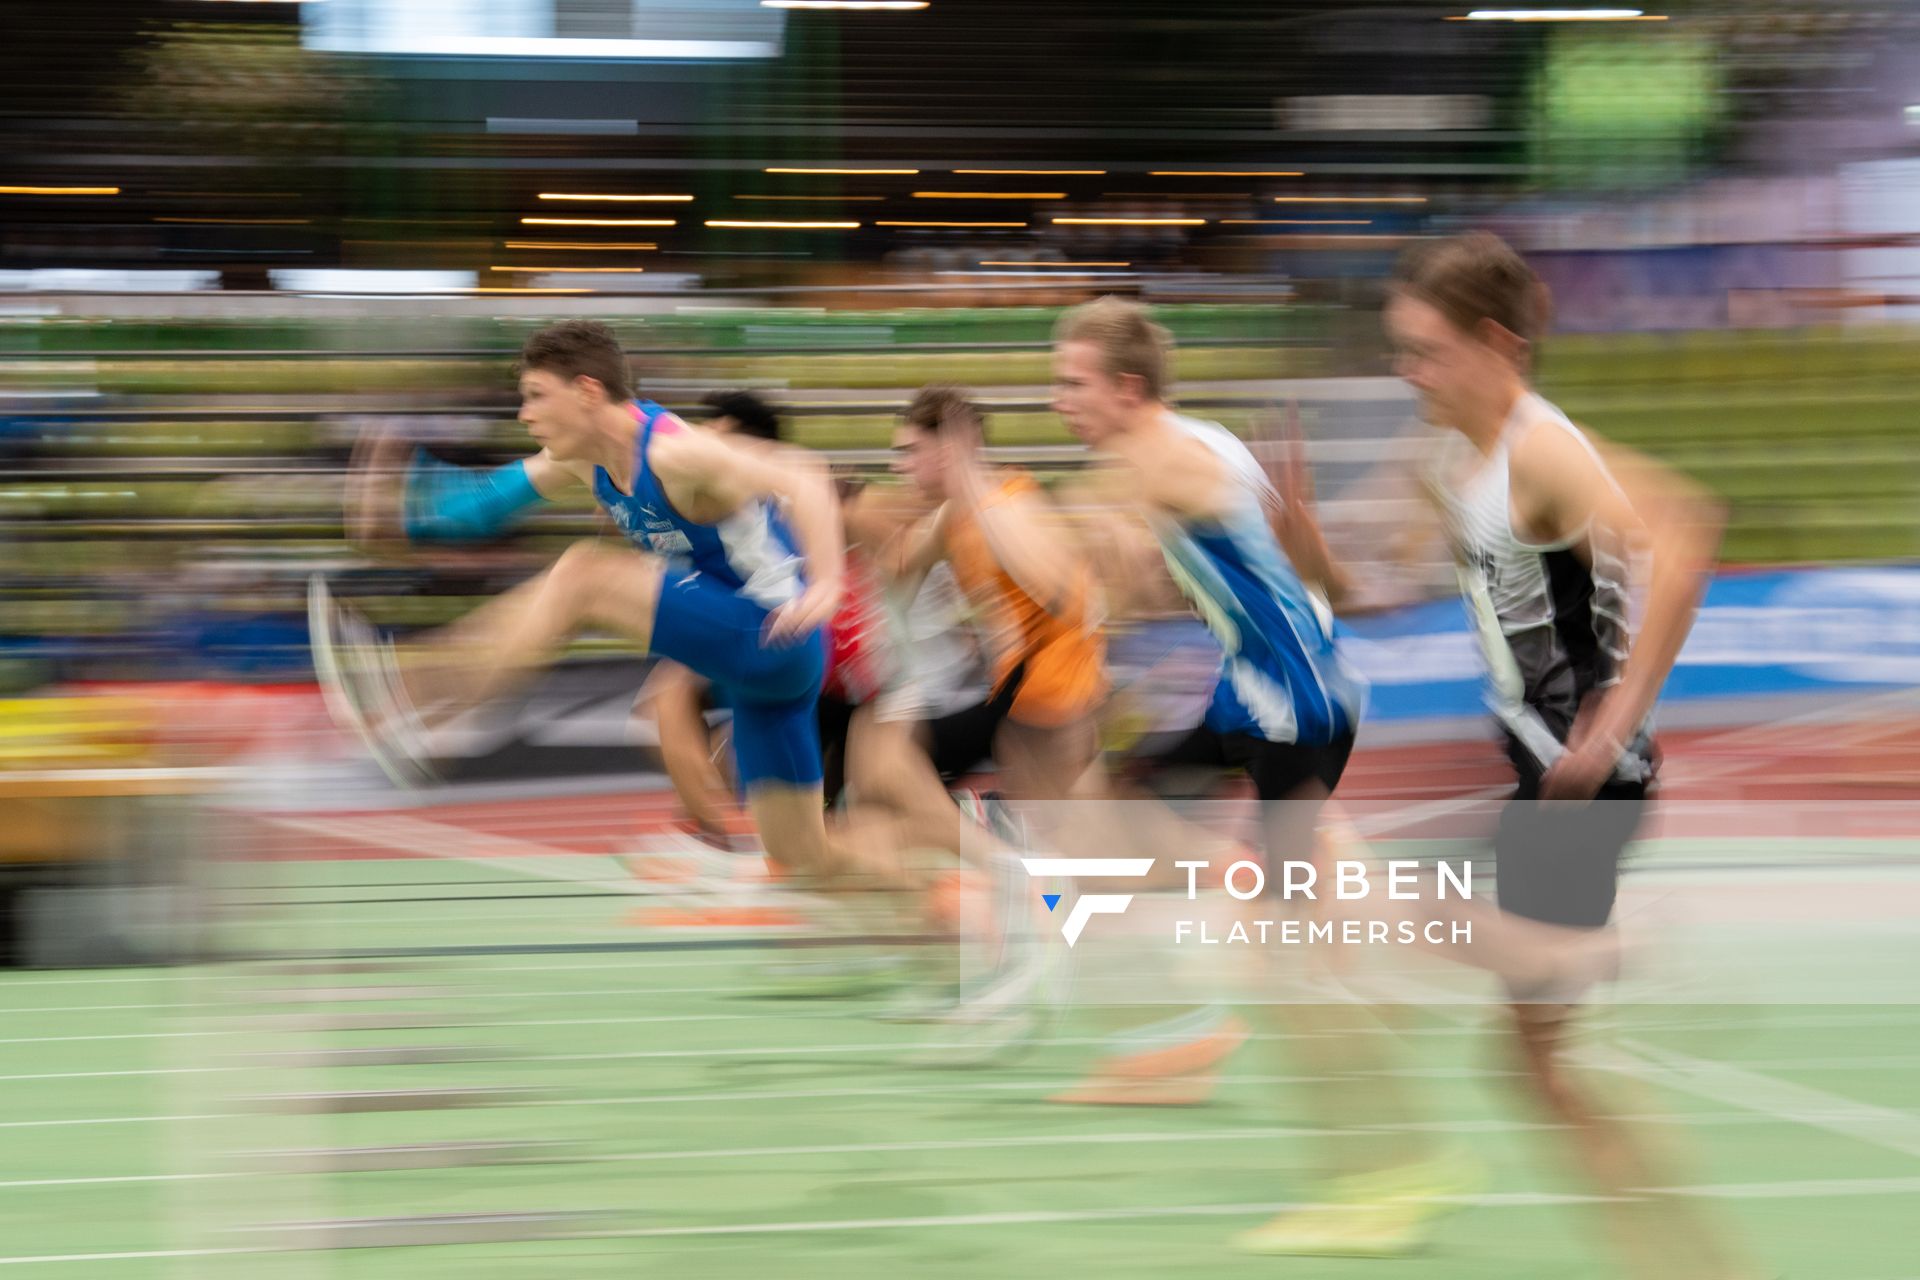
1661, 1237
504, 642
1047, 762
888, 773
673, 697
777, 748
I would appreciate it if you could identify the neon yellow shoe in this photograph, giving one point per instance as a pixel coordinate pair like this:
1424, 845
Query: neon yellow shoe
1383, 1214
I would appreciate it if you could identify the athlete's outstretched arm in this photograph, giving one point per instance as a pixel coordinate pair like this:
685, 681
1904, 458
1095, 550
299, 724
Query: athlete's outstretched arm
396, 491
1386, 573
1561, 487
1291, 515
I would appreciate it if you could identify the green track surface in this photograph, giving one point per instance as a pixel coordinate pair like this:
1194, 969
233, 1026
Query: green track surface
759, 1137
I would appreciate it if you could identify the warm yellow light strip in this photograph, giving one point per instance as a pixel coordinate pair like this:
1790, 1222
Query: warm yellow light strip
893, 5
1557, 15
624, 199
839, 171
989, 195
599, 222
1131, 222
581, 248
59, 191
909, 223
782, 226
1038, 172
1296, 222
1225, 173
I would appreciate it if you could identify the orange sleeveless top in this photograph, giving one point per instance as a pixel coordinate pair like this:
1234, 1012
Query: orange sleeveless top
1061, 659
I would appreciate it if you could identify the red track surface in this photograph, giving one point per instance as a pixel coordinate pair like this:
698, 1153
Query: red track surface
1762, 780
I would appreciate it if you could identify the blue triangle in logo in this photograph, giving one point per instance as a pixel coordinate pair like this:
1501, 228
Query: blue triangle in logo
1051, 899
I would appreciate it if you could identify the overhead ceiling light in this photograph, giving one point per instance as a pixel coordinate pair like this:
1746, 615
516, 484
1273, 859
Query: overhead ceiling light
912, 223
989, 195
1131, 222
571, 246
1559, 15
782, 226
896, 5
1296, 222
834, 170
599, 222
1036, 172
644, 199
59, 191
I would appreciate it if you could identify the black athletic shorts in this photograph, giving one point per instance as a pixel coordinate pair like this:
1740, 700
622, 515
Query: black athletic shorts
960, 743
834, 717
1290, 779
1278, 769
1559, 862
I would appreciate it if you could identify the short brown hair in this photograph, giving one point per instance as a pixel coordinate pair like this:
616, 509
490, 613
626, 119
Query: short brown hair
938, 404
580, 348
1127, 338
1474, 277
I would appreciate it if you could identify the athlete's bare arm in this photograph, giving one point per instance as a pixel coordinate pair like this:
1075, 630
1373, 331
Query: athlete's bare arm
913, 551
708, 477
1562, 489
1179, 476
1290, 514
1023, 536
1121, 550
551, 478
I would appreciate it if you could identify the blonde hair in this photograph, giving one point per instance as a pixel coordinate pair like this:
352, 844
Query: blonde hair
1128, 340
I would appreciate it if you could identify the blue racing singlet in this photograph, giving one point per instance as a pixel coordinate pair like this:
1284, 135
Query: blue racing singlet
1281, 678
751, 551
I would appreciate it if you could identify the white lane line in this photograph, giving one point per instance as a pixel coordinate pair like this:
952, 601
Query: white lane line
1804, 1188
464, 844
285, 995
1718, 1082
1043, 1217
1681, 1119
1868, 1062
1816, 1108
452, 964
133, 1256
1514, 1200
55, 1124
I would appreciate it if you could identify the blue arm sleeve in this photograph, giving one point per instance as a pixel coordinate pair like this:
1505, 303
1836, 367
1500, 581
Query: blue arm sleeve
445, 503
